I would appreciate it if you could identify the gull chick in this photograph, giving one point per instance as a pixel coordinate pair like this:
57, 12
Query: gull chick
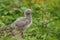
23, 23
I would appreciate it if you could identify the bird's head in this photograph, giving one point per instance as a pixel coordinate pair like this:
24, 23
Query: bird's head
28, 11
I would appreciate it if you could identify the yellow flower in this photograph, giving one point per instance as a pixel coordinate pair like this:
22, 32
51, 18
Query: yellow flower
3, 16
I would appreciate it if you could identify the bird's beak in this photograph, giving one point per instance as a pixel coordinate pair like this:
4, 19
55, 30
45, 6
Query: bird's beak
32, 12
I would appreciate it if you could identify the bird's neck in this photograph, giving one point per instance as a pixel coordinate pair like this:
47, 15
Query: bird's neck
28, 16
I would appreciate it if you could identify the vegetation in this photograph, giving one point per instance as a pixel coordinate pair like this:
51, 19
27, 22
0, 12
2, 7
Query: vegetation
46, 18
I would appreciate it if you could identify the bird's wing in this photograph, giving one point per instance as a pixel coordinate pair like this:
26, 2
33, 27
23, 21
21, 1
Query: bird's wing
21, 22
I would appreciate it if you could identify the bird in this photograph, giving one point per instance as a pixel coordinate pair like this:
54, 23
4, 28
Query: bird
23, 23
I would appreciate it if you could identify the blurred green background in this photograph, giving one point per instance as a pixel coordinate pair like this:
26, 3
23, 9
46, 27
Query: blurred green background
46, 18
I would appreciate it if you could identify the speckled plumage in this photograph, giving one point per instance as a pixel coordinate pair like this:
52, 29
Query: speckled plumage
23, 22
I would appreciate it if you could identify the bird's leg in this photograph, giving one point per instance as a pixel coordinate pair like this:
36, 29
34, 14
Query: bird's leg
21, 33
